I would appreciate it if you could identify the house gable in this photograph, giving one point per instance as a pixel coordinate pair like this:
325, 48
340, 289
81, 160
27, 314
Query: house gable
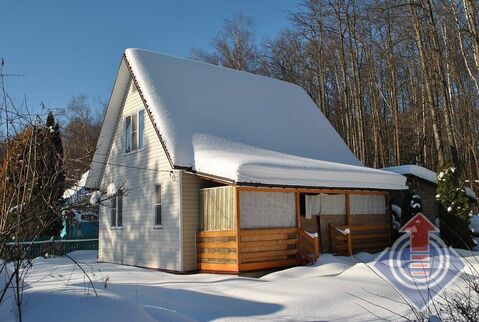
138, 242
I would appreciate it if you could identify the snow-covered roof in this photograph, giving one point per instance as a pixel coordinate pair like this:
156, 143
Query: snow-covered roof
77, 188
423, 173
415, 170
188, 98
247, 164
195, 105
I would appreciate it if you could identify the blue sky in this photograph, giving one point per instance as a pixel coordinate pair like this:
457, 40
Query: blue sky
66, 48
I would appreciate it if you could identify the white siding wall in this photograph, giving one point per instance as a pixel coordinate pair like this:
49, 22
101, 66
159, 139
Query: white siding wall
190, 207
138, 243
190, 187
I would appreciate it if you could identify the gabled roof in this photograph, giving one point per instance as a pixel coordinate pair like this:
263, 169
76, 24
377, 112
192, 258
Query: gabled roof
189, 98
196, 107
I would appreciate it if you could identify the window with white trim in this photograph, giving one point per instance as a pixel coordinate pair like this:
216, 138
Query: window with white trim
141, 129
134, 131
116, 210
157, 205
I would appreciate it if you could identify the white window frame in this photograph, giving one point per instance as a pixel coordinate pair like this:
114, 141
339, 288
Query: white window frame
134, 135
155, 204
128, 135
116, 211
138, 130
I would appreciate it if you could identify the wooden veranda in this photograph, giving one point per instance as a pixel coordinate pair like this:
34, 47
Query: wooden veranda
238, 249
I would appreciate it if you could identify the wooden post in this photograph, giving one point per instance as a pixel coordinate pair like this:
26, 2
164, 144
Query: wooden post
316, 248
330, 230
348, 210
350, 244
298, 210
349, 221
237, 226
298, 220
389, 214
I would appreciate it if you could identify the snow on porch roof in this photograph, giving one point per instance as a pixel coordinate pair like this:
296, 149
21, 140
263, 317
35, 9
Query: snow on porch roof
250, 165
188, 98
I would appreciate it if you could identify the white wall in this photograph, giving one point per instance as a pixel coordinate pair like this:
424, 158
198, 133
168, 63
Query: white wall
138, 243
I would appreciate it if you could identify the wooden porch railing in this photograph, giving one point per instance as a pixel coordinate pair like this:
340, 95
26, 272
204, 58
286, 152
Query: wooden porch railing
254, 249
268, 248
347, 240
308, 246
217, 251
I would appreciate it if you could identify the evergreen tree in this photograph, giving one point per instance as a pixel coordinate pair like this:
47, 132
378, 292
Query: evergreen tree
54, 172
453, 210
32, 180
413, 206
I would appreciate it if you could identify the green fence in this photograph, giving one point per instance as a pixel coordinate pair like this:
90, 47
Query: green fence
55, 247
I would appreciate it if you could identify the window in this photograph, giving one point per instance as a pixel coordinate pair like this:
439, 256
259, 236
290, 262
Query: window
128, 134
134, 131
157, 205
141, 129
116, 210
113, 211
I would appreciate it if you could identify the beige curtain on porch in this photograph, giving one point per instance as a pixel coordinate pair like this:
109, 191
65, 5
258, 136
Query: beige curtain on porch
312, 205
325, 204
367, 204
267, 209
333, 204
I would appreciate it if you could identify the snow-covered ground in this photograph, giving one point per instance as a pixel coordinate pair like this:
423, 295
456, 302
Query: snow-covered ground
335, 288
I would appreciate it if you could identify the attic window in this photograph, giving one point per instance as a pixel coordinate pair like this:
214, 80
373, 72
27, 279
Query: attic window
134, 131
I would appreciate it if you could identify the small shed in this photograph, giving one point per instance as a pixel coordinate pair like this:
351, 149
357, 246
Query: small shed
424, 182
80, 218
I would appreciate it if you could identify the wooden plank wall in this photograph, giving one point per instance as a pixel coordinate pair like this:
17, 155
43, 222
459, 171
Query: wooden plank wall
268, 248
217, 251
372, 237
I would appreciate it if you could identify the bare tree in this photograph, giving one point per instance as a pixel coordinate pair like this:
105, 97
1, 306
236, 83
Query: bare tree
399, 80
31, 206
234, 45
80, 134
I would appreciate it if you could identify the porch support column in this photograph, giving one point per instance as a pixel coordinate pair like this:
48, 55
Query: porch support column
349, 221
236, 210
389, 214
298, 210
